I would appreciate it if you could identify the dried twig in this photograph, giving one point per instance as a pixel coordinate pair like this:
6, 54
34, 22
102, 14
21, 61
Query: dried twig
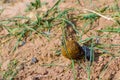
108, 18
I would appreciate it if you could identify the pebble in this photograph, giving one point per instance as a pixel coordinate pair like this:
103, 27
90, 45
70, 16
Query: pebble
20, 67
22, 43
34, 60
87, 52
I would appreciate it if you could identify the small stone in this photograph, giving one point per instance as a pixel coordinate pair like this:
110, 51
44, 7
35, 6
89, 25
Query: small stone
20, 67
34, 60
22, 43
87, 52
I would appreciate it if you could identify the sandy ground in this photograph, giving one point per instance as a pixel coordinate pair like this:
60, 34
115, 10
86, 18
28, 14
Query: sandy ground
49, 65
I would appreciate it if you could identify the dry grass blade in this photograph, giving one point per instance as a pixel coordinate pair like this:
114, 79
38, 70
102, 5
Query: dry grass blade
108, 18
